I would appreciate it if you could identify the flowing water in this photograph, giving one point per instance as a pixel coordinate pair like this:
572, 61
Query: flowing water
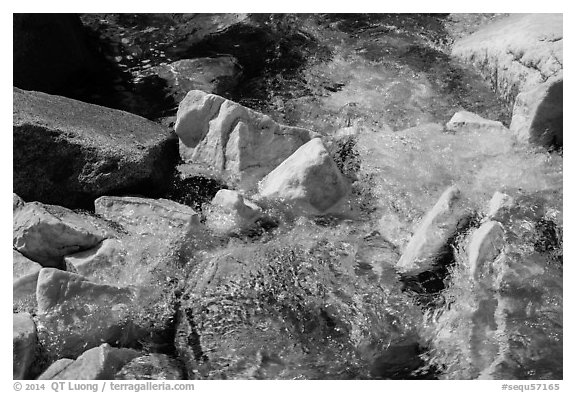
379, 88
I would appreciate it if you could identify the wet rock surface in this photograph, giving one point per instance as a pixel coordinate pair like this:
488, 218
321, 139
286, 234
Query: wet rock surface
195, 275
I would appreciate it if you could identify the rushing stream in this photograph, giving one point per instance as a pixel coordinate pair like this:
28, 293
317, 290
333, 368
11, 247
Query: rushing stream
379, 88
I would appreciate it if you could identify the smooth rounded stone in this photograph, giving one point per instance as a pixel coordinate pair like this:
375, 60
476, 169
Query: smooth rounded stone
70, 152
498, 205
237, 143
486, 243
230, 211
464, 121
538, 114
215, 75
154, 366
144, 215
45, 233
23, 344
308, 180
55, 368
88, 263
431, 237
75, 314
98, 363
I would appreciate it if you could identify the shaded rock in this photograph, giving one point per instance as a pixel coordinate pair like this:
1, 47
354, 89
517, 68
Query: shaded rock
429, 241
523, 53
45, 233
465, 120
55, 368
538, 114
52, 52
75, 314
230, 211
23, 344
97, 363
144, 215
498, 206
309, 180
216, 75
70, 152
486, 244
233, 141
155, 366
88, 263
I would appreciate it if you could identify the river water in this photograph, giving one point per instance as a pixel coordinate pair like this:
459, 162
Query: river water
379, 88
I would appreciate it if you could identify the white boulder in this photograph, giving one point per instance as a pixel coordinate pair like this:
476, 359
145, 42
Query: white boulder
308, 180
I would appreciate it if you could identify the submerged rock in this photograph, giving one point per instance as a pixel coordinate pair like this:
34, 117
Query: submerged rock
154, 366
23, 344
145, 215
215, 75
75, 314
46, 233
308, 180
230, 211
88, 263
70, 152
523, 53
97, 363
237, 143
431, 238
465, 120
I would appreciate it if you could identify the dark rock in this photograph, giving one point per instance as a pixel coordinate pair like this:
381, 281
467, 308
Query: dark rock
69, 152
52, 52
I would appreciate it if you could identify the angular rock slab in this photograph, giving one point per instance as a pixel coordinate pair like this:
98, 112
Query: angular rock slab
70, 152
230, 211
98, 363
486, 243
237, 143
23, 344
75, 314
154, 366
465, 120
144, 215
45, 233
433, 233
309, 180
